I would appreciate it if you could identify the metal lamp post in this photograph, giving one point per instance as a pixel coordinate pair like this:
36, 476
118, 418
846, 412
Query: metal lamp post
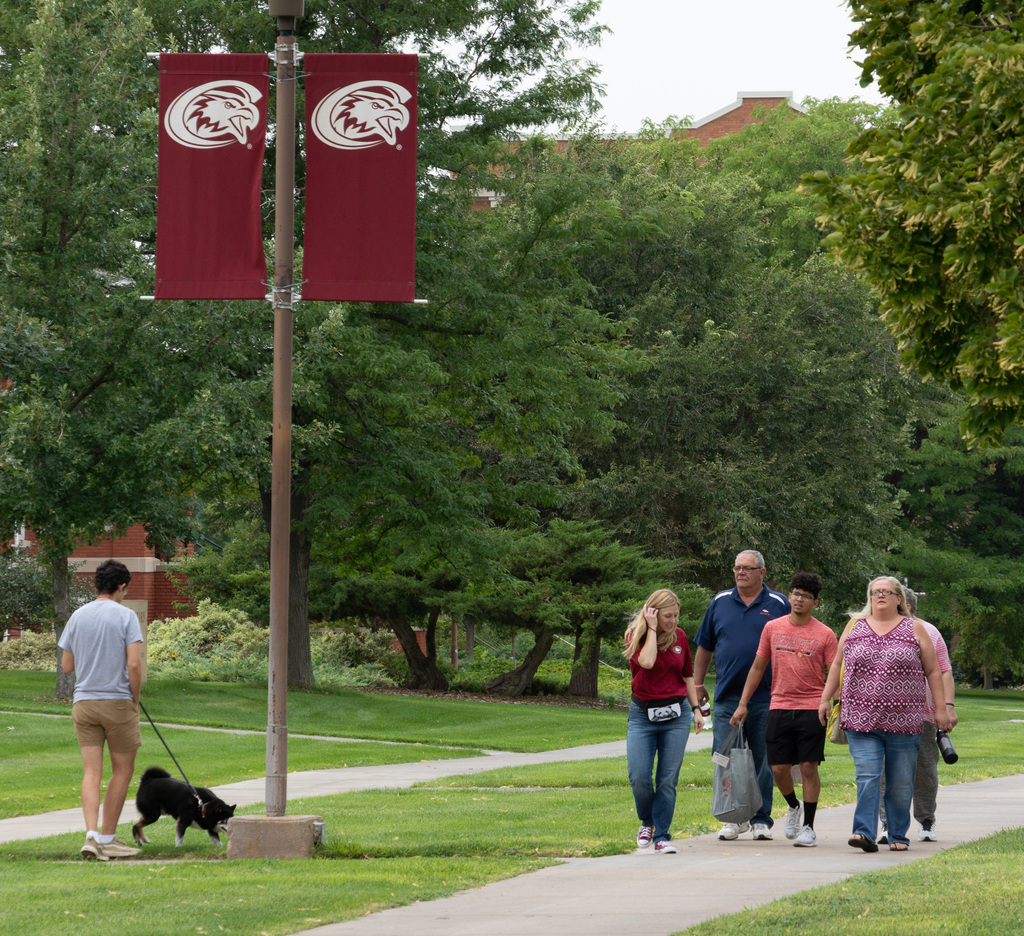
286, 12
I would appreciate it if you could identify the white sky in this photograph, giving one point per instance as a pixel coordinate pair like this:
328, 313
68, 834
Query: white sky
689, 58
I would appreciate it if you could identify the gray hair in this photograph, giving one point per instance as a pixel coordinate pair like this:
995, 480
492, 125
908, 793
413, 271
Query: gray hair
894, 584
910, 596
758, 558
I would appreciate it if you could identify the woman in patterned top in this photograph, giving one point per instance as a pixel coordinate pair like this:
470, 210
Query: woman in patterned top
888, 656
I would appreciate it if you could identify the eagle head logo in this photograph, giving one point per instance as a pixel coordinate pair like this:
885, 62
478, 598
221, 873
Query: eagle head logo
361, 115
214, 114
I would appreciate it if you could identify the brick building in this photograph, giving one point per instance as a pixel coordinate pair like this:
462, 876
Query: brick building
729, 119
734, 117
153, 595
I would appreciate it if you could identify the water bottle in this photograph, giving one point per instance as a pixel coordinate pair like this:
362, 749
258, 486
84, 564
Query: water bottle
705, 710
946, 749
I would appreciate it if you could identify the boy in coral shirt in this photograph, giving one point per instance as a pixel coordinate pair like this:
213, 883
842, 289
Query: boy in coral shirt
800, 649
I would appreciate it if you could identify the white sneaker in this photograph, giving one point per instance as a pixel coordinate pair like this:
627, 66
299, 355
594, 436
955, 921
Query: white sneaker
926, 832
732, 830
664, 848
806, 838
762, 832
794, 820
644, 836
93, 851
118, 849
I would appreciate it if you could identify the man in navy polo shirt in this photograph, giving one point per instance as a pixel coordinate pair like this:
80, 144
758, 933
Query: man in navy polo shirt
731, 631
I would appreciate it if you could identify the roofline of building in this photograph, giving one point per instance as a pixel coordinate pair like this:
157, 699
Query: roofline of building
740, 97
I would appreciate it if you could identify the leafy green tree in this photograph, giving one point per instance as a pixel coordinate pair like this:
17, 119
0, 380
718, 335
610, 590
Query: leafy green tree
234, 573
931, 215
26, 592
965, 538
105, 420
573, 580
415, 429
772, 404
778, 151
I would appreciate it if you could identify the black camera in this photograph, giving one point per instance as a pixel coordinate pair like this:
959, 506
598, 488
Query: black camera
946, 749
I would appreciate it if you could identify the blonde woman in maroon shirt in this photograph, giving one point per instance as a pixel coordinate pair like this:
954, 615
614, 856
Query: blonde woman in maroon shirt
659, 714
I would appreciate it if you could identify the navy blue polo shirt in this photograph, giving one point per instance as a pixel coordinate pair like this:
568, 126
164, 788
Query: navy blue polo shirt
731, 630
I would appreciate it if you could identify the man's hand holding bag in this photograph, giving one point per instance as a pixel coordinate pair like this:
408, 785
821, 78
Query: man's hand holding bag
736, 796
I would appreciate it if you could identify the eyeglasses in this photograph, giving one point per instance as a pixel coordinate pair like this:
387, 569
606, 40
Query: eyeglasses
802, 596
739, 569
882, 592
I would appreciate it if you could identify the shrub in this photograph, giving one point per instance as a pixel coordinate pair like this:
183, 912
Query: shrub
29, 652
473, 676
355, 677
336, 648
214, 633
209, 669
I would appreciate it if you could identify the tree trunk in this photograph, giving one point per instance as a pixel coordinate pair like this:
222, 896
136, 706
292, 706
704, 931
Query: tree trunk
423, 671
470, 639
586, 665
455, 643
65, 686
516, 682
986, 676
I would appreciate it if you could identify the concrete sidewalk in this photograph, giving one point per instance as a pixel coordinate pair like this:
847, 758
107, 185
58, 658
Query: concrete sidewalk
662, 894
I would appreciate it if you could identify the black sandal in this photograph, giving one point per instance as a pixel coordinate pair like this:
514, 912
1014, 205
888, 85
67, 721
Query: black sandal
860, 841
899, 847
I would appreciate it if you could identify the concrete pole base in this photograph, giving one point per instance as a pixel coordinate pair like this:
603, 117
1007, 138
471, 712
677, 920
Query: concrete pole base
274, 836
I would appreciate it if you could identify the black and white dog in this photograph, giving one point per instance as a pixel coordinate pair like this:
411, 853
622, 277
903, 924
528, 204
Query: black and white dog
192, 807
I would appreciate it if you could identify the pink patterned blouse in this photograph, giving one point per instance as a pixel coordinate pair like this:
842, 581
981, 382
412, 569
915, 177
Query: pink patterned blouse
883, 680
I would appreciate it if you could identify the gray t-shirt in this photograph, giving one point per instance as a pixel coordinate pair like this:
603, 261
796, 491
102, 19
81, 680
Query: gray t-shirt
97, 634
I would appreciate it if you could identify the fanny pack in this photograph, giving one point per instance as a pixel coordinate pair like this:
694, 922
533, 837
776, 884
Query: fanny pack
661, 710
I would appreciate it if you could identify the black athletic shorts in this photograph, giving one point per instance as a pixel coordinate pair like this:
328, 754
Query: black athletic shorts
794, 735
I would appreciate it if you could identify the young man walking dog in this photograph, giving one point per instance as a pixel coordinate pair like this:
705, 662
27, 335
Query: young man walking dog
102, 646
800, 649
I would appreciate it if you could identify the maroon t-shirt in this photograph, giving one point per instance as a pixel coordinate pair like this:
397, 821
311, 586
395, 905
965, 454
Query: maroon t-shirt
667, 678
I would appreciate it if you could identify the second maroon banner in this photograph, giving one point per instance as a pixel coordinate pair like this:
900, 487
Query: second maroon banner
360, 229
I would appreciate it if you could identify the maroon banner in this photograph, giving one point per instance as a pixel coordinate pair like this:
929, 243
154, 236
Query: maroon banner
213, 120
360, 235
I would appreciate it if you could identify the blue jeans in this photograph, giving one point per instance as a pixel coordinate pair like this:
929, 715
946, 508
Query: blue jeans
896, 754
655, 798
754, 728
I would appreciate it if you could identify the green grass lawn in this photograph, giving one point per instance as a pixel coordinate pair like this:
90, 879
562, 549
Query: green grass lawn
972, 890
349, 713
387, 849
42, 768
238, 898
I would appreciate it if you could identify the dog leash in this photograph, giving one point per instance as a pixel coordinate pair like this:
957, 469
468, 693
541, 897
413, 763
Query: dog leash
202, 805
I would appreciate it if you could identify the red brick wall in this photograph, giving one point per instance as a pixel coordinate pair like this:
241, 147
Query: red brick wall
734, 120
150, 583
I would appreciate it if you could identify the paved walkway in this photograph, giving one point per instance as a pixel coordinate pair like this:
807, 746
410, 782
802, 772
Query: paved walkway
599, 896
708, 877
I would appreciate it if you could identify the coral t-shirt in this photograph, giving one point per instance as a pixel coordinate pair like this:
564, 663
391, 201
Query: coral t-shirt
800, 655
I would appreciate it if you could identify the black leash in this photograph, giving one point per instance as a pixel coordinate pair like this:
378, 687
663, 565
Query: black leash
202, 805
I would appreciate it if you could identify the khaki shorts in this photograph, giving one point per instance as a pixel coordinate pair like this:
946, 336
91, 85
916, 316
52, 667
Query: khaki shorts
112, 720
